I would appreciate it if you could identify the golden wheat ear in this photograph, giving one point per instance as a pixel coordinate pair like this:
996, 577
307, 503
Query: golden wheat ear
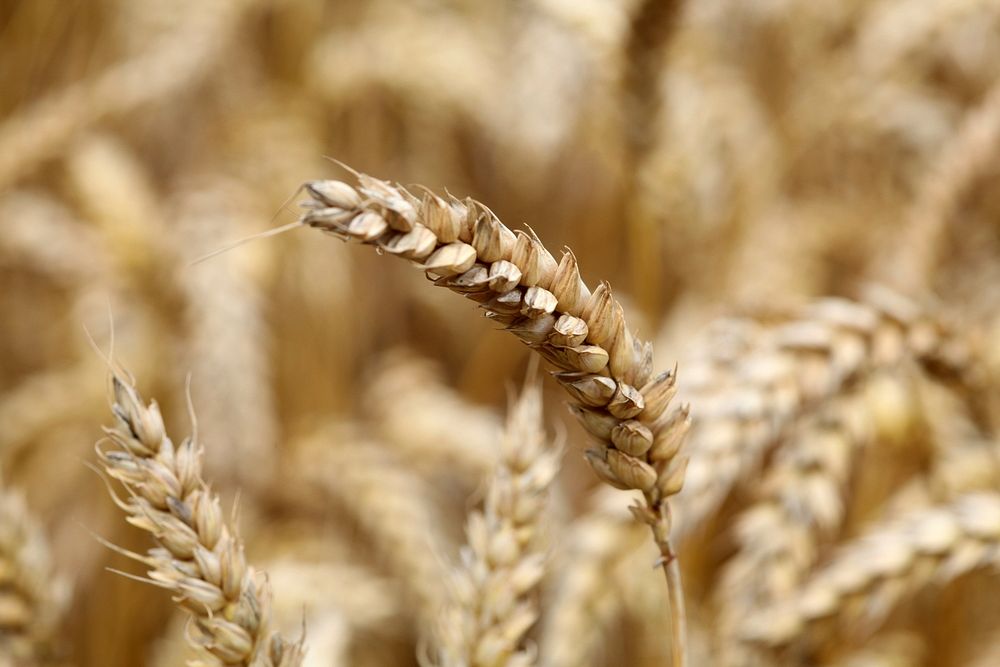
494, 590
607, 371
198, 555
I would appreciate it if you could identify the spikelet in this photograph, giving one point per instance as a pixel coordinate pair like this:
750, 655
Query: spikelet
32, 598
494, 590
872, 574
198, 557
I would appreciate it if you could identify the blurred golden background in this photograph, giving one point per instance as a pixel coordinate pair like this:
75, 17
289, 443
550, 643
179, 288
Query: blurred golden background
712, 160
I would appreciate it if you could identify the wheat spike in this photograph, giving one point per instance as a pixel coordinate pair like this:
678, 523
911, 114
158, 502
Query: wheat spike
198, 557
495, 588
607, 371
761, 377
31, 597
228, 342
801, 505
873, 573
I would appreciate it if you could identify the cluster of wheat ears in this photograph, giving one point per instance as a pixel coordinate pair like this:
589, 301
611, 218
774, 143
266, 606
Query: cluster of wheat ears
796, 202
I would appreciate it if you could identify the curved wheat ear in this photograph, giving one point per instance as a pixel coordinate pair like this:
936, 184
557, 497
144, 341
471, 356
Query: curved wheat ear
461, 245
871, 574
494, 591
198, 556
31, 599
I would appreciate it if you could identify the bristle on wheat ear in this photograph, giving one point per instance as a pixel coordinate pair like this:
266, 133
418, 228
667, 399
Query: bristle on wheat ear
198, 557
607, 371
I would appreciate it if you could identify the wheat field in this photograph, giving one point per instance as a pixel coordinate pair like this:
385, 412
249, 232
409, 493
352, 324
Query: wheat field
723, 389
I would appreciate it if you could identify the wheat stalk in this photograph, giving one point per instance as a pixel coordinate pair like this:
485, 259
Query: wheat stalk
494, 590
461, 245
198, 557
894, 560
31, 597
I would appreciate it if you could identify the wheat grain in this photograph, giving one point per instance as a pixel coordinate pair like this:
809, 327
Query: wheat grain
198, 556
545, 303
494, 590
873, 573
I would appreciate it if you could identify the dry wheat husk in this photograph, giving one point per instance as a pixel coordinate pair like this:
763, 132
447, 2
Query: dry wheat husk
872, 574
32, 597
494, 589
199, 556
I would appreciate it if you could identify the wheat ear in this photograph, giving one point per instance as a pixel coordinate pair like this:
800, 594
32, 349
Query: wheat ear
31, 599
758, 378
896, 559
494, 591
461, 245
198, 557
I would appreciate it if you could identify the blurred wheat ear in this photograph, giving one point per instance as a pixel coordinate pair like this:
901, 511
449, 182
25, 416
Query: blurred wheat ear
494, 590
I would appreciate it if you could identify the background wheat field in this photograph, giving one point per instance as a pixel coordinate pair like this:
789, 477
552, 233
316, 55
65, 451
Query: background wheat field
797, 201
